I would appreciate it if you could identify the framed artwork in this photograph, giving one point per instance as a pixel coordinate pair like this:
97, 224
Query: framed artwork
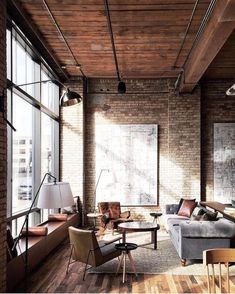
224, 162
128, 157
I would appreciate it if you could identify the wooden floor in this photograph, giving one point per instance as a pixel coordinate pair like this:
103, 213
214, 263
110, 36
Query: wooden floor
51, 277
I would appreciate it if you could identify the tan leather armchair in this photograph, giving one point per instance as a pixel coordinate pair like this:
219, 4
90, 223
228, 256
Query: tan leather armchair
112, 215
85, 248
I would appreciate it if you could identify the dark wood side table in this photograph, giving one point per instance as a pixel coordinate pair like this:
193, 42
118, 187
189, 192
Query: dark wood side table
220, 207
126, 251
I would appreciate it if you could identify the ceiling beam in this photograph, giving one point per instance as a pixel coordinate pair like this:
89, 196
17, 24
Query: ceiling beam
218, 29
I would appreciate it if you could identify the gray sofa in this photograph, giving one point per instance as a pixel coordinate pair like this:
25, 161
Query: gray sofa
191, 237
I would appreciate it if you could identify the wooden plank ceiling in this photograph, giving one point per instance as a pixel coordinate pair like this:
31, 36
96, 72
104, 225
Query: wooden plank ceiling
147, 34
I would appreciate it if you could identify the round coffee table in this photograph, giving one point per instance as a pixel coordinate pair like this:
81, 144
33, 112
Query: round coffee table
140, 227
126, 251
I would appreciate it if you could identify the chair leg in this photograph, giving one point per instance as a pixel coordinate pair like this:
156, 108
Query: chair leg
132, 263
208, 279
84, 273
71, 251
120, 263
85, 269
124, 268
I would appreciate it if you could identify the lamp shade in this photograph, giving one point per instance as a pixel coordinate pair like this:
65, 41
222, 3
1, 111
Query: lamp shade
55, 195
70, 98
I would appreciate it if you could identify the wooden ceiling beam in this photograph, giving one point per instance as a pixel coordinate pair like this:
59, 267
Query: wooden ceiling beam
215, 34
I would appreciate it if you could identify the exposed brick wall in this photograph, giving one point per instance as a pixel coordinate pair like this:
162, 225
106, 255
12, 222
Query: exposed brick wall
71, 143
149, 102
3, 151
216, 107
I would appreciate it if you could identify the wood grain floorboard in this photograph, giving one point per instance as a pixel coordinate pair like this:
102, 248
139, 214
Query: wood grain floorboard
51, 277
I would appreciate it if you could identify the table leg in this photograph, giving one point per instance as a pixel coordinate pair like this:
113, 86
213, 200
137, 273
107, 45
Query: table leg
94, 223
154, 238
124, 268
124, 236
120, 263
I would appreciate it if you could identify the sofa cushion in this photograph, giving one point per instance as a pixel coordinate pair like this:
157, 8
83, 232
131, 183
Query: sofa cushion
187, 207
222, 228
169, 219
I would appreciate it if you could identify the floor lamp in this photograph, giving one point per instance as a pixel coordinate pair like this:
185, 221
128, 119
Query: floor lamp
50, 195
97, 183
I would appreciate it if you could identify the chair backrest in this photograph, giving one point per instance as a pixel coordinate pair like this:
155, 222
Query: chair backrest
218, 256
83, 241
113, 208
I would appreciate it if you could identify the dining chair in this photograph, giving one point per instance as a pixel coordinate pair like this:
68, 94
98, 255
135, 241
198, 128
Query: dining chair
218, 256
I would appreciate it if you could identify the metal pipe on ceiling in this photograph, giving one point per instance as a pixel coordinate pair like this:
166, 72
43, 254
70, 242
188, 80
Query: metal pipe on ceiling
63, 37
201, 28
111, 37
186, 32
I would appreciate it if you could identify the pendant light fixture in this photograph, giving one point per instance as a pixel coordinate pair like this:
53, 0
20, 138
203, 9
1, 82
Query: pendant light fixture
121, 85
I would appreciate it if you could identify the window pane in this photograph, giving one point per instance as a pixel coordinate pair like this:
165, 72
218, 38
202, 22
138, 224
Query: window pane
19, 64
33, 75
50, 93
22, 184
46, 144
9, 54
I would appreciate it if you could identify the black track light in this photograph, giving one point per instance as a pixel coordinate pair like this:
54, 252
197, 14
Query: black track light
121, 87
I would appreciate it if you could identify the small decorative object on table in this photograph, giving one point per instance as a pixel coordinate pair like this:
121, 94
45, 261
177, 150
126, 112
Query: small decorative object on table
126, 248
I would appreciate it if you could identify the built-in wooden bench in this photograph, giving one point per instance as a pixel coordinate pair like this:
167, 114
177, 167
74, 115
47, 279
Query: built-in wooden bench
38, 248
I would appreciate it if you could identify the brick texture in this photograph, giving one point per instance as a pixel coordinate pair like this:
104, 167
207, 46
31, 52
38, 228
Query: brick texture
216, 108
71, 143
149, 102
3, 151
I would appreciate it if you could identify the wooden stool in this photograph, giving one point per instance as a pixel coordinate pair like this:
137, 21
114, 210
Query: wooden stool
126, 248
155, 216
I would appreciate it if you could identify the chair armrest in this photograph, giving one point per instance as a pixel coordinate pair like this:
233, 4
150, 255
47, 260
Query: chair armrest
207, 229
125, 214
171, 208
104, 243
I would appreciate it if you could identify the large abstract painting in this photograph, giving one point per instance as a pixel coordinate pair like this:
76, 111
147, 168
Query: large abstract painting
127, 155
224, 162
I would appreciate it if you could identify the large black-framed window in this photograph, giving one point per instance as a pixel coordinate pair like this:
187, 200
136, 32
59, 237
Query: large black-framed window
33, 149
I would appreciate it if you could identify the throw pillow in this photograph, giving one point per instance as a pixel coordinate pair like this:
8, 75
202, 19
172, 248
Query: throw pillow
180, 203
187, 207
198, 211
209, 216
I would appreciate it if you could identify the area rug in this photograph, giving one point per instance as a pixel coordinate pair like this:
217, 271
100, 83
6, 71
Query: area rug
164, 260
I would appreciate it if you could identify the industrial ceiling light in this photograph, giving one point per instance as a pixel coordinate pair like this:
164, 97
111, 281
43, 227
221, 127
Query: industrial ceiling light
70, 98
231, 91
121, 87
